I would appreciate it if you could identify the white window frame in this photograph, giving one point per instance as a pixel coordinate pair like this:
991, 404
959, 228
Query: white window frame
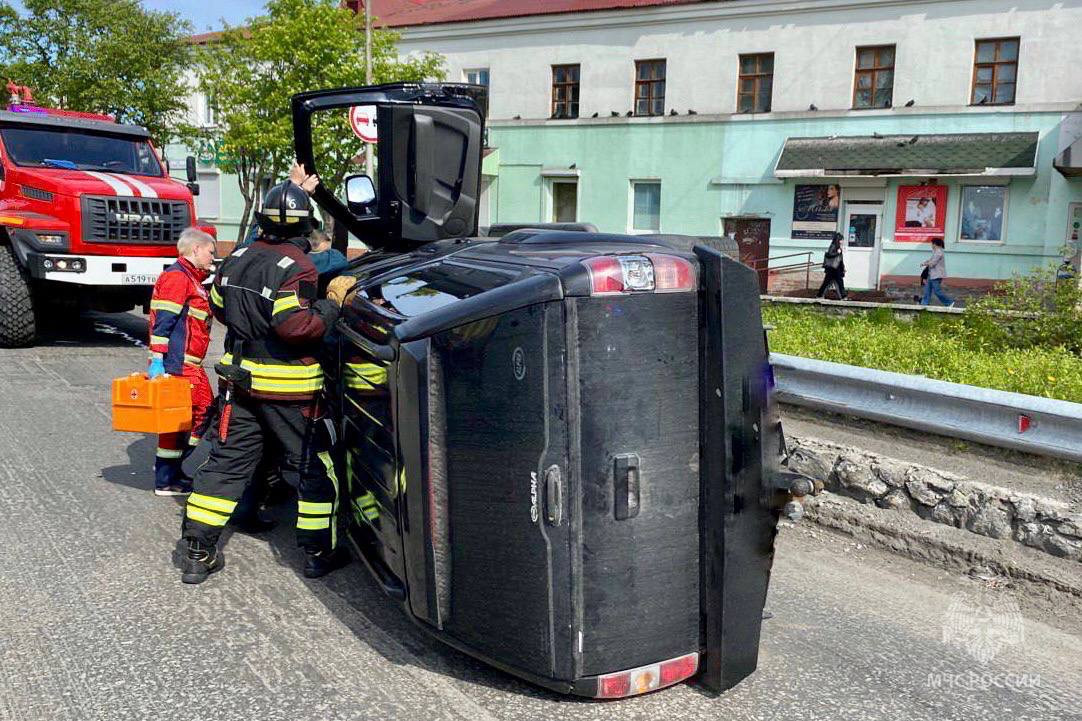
488, 71
631, 229
549, 211
209, 118
962, 210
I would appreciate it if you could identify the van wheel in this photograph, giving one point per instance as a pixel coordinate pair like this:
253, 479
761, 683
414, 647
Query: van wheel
17, 322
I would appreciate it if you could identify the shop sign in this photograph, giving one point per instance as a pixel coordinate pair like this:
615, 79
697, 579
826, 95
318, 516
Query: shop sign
815, 211
921, 213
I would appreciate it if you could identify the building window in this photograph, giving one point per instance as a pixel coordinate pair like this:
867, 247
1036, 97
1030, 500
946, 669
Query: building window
649, 87
210, 115
995, 71
874, 83
479, 76
565, 91
645, 206
984, 213
565, 201
755, 83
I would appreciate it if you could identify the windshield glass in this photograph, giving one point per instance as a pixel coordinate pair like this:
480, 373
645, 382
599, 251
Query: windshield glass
45, 148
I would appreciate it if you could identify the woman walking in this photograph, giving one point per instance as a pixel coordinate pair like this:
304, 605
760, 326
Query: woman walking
833, 268
937, 271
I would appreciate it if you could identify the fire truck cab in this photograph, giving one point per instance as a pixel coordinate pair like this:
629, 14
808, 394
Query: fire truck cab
89, 216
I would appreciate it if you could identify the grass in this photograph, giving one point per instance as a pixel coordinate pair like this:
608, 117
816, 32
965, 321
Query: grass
929, 345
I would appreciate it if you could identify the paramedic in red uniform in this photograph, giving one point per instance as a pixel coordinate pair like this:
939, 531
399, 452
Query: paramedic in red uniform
179, 335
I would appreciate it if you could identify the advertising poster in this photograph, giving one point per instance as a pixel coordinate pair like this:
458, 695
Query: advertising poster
815, 211
921, 213
983, 209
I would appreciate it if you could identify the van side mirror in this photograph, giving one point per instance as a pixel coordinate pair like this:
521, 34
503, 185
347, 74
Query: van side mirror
360, 194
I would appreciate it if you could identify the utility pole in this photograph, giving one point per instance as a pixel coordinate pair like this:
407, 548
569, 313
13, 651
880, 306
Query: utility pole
368, 78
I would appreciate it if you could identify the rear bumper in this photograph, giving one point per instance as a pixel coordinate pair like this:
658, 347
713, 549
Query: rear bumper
96, 270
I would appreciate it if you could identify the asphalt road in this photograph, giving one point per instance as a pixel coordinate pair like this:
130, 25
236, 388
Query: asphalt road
94, 623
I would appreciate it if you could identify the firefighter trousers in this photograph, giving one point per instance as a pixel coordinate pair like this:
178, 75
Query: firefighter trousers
173, 448
297, 434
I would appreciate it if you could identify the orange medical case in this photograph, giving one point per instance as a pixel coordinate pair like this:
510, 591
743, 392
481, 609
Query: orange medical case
162, 405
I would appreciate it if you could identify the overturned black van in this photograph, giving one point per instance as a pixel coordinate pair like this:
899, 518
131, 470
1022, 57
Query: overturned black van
557, 447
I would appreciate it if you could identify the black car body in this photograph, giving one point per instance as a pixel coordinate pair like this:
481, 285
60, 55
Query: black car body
558, 449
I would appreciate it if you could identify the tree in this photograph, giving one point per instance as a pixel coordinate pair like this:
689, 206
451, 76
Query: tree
251, 72
103, 56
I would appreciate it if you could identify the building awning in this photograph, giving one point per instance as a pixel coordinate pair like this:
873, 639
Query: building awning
965, 154
1069, 162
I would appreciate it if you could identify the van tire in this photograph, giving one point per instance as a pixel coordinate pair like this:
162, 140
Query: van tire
18, 326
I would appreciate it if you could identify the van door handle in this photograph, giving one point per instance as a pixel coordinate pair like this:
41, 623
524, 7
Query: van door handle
626, 486
554, 496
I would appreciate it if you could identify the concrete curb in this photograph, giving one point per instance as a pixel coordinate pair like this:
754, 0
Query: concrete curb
949, 548
1047, 525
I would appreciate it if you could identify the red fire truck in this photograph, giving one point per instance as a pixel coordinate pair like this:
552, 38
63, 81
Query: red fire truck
88, 216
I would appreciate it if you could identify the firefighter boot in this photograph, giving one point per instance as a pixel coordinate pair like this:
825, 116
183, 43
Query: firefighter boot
200, 562
319, 563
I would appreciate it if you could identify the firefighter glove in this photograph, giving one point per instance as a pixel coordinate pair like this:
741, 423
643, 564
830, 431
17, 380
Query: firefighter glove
339, 288
157, 368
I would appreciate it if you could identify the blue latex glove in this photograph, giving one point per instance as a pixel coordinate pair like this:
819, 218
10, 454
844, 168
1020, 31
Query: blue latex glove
157, 368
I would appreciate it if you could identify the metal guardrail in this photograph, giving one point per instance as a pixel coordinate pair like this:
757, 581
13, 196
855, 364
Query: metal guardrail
997, 418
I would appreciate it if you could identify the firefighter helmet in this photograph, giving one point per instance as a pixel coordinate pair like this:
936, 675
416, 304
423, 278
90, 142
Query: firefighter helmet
286, 212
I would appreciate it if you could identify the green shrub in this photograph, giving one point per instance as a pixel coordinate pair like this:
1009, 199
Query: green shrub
1031, 311
934, 346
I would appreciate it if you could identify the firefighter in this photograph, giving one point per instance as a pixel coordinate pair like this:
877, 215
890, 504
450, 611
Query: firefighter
265, 294
180, 322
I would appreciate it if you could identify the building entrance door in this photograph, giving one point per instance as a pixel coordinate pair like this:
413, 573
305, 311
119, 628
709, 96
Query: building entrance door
863, 223
752, 236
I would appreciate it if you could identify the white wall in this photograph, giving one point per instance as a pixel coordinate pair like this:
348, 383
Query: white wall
813, 42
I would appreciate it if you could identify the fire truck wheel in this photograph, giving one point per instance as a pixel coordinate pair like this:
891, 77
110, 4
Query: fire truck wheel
17, 323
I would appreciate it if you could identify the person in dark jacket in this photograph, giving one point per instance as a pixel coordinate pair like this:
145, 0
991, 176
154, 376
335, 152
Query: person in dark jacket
328, 261
833, 268
265, 295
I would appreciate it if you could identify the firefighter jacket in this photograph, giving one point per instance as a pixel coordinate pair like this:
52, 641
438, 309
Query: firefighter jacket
180, 317
265, 294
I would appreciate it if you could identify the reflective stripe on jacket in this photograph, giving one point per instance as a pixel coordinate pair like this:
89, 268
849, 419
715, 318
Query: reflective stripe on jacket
180, 317
265, 294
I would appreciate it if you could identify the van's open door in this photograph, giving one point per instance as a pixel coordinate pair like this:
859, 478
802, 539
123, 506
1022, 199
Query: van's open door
429, 159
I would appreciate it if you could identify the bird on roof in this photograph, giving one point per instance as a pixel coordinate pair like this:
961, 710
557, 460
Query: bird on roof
812, 107
614, 114
910, 102
594, 115
691, 112
629, 113
673, 112
914, 139
517, 117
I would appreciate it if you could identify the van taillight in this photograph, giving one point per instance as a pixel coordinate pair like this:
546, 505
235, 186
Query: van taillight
650, 272
647, 678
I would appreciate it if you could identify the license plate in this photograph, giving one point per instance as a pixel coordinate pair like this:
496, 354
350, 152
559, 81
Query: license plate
139, 279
